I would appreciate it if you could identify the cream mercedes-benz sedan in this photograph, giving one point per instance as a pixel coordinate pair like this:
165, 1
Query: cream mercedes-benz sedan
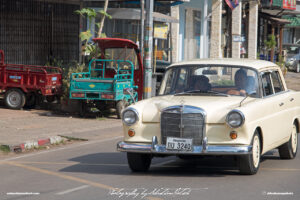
234, 107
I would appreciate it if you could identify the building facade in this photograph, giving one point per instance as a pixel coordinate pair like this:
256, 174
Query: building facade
39, 32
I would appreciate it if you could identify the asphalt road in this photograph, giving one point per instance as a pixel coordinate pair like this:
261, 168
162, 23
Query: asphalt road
95, 170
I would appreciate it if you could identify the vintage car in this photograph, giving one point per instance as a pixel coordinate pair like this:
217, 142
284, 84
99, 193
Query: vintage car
228, 107
293, 57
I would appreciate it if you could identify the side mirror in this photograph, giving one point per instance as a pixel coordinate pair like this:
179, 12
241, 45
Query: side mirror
129, 91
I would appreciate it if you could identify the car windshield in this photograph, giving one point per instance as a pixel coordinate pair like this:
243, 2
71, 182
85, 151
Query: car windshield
210, 80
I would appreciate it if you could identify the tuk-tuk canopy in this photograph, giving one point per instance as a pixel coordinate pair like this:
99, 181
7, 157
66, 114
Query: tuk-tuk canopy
105, 43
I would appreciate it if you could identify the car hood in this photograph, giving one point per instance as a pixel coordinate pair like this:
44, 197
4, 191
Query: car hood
216, 107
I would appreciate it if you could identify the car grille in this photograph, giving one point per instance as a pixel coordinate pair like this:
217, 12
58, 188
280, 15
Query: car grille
178, 122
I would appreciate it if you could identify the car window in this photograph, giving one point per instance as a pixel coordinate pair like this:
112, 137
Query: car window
171, 74
211, 79
277, 84
266, 84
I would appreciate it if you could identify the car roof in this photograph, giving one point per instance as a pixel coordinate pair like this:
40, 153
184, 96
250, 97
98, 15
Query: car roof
251, 63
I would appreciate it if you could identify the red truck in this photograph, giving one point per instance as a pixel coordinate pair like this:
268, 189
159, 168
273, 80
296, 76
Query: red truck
21, 85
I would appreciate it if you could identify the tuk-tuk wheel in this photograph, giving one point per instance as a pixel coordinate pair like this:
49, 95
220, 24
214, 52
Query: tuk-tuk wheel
121, 105
82, 108
50, 99
14, 99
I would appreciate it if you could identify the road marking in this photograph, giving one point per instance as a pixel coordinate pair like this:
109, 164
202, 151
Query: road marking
70, 163
153, 198
63, 148
163, 163
63, 176
281, 169
73, 190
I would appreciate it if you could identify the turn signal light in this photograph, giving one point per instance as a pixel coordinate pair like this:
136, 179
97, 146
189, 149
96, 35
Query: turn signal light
78, 95
233, 135
107, 96
48, 91
131, 132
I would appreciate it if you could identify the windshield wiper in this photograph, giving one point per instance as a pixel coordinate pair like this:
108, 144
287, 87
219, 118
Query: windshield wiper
202, 92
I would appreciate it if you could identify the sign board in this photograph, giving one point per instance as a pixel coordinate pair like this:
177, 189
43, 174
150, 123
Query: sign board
161, 31
289, 4
238, 38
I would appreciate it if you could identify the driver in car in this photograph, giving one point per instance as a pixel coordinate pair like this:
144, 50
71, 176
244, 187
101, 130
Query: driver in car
202, 84
240, 79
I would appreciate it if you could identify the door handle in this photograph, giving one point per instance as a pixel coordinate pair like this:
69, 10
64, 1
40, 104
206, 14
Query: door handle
292, 99
281, 104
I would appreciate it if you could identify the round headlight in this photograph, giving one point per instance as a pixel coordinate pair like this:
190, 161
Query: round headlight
235, 119
130, 116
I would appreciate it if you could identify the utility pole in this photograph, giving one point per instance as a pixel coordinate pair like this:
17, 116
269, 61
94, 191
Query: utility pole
148, 49
142, 2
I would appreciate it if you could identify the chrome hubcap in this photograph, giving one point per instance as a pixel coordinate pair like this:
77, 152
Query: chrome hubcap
294, 139
256, 151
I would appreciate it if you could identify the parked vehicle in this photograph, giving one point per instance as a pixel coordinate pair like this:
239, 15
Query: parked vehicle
229, 107
293, 57
120, 68
23, 84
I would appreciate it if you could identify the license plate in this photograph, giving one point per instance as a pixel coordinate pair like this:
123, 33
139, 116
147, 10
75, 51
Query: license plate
54, 78
180, 144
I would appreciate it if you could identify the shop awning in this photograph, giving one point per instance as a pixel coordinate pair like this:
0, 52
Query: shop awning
280, 12
135, 14
295, 21
274, 19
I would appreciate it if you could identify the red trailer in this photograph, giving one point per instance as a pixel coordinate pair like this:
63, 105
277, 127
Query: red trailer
22, 84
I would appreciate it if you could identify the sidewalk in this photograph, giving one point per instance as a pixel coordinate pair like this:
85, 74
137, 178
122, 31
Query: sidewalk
27, 128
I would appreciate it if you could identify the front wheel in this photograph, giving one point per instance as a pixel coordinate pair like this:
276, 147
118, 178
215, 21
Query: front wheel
289, 150
298, 67
14, 99
249, 164
139, 162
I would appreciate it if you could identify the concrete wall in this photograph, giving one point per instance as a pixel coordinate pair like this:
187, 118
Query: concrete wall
253, 27
216, 22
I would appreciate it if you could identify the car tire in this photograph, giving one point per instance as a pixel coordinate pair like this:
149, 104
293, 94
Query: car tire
30, 100
249, 164
50, 99
289, 149
298, 67
139, 162
14, 99
119, 108
83, 108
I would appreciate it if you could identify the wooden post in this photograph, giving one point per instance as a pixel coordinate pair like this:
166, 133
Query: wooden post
272, 50
280, 42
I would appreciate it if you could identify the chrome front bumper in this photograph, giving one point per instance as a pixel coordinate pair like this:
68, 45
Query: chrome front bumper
204, 149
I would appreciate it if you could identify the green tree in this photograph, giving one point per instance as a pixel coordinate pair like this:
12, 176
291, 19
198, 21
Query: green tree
85, 36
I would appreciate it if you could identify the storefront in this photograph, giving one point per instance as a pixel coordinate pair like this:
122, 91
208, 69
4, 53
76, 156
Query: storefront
193, 31
277, 20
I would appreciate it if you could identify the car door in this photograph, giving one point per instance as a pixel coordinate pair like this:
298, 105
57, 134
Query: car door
275, 104
285, 113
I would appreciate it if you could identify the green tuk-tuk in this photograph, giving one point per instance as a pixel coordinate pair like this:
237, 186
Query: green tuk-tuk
115, 80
